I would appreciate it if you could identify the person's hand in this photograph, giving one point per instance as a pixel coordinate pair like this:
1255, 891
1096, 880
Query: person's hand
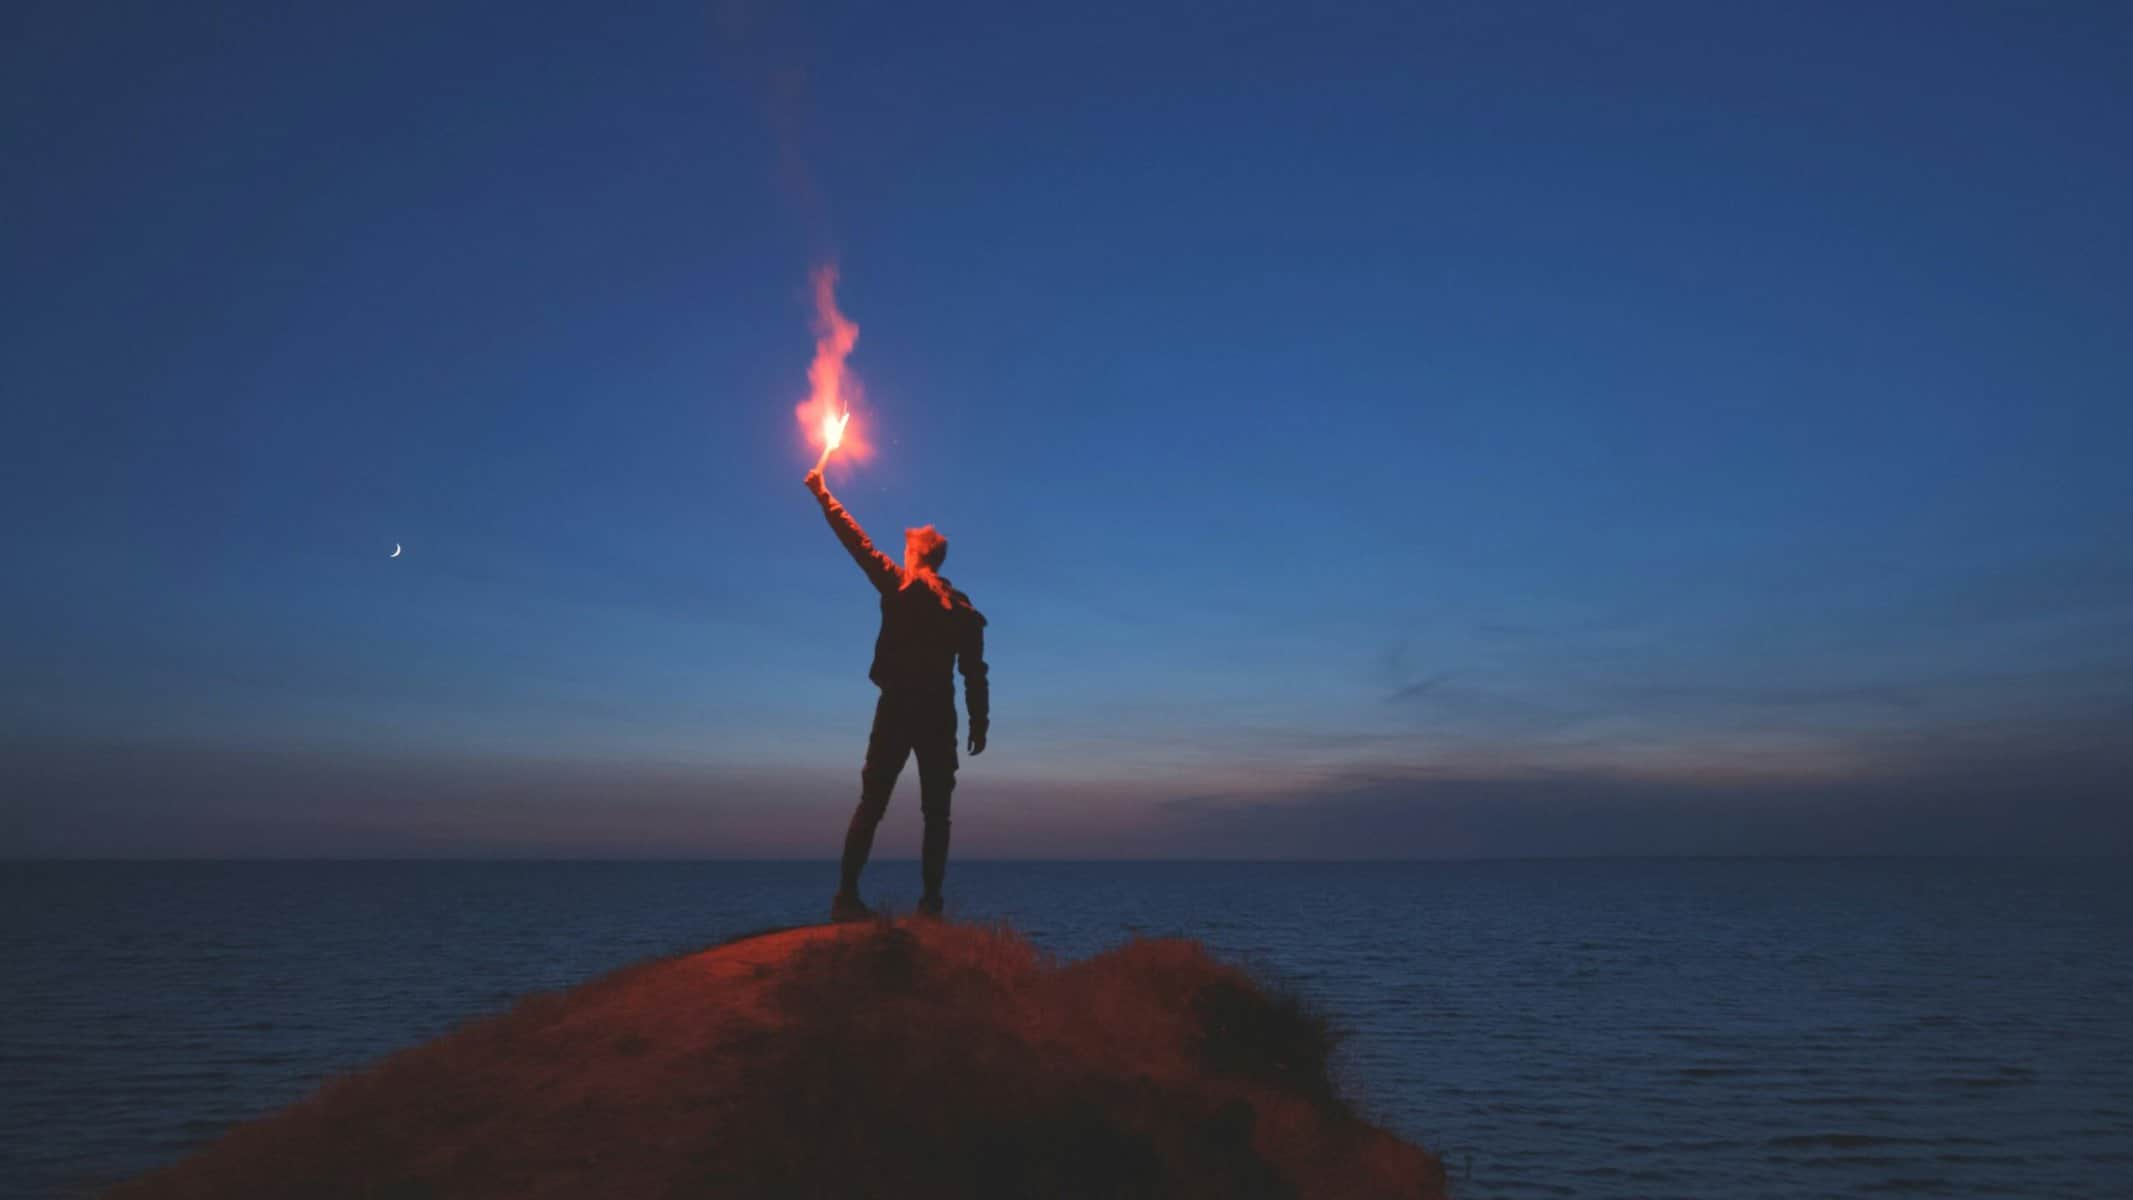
814, 480
977, 740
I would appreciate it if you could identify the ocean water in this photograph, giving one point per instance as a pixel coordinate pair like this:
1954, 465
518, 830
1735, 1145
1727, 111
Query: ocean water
1699, 1028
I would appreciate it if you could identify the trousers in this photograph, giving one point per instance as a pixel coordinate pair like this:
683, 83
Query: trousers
906, 724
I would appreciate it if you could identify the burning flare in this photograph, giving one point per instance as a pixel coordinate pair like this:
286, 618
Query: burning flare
826, 414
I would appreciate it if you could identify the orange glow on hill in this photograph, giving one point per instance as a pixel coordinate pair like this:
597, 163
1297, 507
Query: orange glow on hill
786, 1064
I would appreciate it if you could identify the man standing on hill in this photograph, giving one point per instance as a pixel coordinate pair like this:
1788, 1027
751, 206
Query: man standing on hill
927, 627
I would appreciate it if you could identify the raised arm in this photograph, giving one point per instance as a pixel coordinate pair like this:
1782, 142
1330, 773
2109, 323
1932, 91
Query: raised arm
880, 571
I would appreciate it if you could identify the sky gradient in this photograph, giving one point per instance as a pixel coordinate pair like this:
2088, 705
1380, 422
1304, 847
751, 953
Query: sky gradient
1487, 430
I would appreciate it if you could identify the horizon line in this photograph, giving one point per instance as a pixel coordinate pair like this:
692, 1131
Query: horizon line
2098, 855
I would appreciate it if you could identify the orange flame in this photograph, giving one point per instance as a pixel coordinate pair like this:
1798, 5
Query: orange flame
825, 416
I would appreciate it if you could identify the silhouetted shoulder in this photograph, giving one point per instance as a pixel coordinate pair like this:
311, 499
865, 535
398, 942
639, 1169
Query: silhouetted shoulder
962, 605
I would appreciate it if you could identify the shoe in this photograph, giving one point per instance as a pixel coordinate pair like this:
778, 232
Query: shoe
846, 906
929, 906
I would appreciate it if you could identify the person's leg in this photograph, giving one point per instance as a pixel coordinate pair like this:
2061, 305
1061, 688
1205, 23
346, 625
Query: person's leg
935, 744
887, 747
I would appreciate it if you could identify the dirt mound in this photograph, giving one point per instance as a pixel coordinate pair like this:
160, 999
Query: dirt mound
887, 1060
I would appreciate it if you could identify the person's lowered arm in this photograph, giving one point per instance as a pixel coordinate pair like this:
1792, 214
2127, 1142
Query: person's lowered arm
977, 692
880, 571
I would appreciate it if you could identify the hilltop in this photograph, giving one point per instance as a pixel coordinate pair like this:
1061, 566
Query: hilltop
917, 1059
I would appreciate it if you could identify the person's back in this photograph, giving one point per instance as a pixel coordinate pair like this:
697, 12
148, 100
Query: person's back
921, 637
928, 629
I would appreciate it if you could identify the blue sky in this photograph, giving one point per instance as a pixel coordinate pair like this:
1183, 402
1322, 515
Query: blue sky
1463, 430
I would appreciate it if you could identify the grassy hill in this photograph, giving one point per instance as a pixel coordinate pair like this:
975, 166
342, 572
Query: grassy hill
917, 1059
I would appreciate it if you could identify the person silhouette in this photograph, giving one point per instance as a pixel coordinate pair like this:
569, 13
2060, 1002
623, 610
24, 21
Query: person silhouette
927, 629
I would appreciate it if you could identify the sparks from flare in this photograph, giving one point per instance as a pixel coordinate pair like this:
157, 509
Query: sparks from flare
826, 415
832, 435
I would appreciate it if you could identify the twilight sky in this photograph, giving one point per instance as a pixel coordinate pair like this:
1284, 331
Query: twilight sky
1488, 429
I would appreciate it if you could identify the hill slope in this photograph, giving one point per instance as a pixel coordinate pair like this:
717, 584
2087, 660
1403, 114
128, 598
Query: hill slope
917, 1059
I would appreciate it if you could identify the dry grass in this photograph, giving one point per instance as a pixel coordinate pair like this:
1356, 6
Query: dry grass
888, 1060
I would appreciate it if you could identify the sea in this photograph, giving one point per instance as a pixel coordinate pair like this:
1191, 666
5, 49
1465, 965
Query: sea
1707, 1028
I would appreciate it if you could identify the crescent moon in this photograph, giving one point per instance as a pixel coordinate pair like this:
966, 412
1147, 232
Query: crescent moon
396, 551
